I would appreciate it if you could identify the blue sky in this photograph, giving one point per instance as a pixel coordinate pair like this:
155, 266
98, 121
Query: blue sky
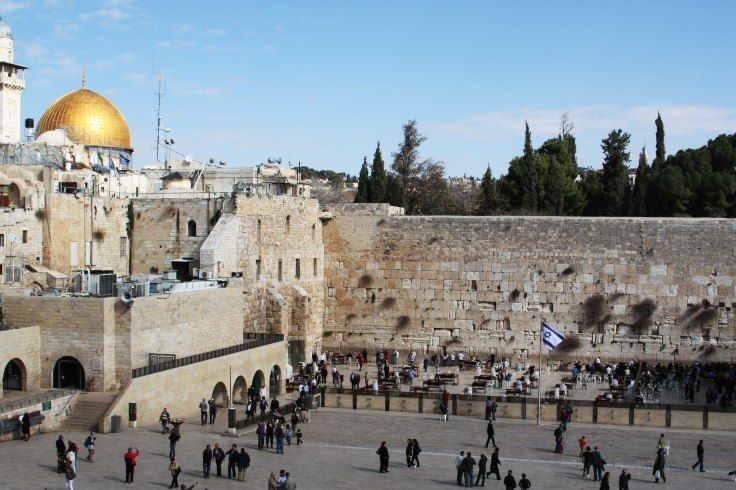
321, 82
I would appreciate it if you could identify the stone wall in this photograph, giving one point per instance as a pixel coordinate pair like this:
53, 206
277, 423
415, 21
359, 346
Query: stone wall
22, 345
26, 225
626, 287
275, 233
180, 390
160, 230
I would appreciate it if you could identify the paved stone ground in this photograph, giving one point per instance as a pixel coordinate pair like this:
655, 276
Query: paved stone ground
339, 452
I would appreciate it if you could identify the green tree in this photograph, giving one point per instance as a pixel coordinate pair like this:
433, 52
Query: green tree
554, 188
672, 195
529, 177
408, 167
377, 181
592, 187
615, 178
659, 154
361, 195
491, 201
637, 203
394, 192
568, 198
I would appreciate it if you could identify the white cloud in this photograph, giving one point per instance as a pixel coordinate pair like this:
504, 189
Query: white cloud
197, 89
8, 6
214, 32
174, 44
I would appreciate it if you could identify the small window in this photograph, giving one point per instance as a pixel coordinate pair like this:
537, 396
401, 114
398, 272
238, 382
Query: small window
192, 228
123, 246
258, 230
288, 224
314, 266
25, 236
314, 232
2, 239
258, 268
281, 271
298, 268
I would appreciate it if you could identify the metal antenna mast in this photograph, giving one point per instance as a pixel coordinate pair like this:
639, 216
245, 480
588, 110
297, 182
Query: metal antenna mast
159, 94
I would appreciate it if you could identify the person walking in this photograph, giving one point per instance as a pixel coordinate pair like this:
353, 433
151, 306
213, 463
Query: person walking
458, 465
203, 411
701, 455
232, 461
605, 481
415, 453
89, 443
509, 481
60, 454
467, 466
598, 463
383, 456
482, 466
587, 461
261, 434
213, 410
219, 456
289, 433
299, 435
658, 468
495, 463
173, 439
269, 434
130, 462
164, 419
174, 469
524, 483
582, 442
443, 412
409, 452
25, 426
243, 462
279, 433
623, 480
70, 474
491, 432
71, 455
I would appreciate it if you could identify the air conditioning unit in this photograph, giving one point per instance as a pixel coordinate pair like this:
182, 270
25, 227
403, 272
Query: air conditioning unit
195, 272
141, 289
205, 274
170, 275
102, 284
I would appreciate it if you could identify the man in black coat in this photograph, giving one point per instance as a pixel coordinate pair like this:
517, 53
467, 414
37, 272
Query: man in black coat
491, 433
509, 482
598, 464
623, 480
243, 463
232, 461
587, 461
206, 461
701, 455
382, 453
495, 463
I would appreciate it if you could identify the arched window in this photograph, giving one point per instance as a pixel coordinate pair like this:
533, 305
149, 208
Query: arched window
192, 228
288, 224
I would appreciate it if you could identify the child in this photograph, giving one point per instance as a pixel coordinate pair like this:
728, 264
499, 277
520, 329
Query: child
289, 434
298, 437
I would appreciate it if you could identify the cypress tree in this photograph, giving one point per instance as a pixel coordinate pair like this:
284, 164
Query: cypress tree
637, 203
659, 150
528, 175
554, 189
491, 201
377, 181
615, 177
361, 195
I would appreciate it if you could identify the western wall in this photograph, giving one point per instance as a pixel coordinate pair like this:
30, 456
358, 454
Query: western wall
623, 287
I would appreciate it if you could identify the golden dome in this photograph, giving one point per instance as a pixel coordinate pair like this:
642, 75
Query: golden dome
88, 118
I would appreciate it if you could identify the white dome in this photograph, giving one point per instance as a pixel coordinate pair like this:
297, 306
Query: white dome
5, 32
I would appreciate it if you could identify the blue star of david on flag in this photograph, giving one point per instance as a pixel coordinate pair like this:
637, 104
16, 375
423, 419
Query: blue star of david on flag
551, 337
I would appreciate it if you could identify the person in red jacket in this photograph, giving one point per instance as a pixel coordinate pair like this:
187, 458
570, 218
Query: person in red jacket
129, 458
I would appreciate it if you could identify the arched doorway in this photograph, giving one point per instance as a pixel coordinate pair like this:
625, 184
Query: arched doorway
258, 381
69, 373
239, 390
274, 381
219, 394
14, 375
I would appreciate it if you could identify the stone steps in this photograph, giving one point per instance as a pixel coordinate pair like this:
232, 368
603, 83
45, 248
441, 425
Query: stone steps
87, 411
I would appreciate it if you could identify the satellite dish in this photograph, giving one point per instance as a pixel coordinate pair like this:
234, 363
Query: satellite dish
12, 238
188, 158
78, 193
240, 186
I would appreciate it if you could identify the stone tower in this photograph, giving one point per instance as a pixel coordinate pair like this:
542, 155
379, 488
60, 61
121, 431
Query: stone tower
12, 84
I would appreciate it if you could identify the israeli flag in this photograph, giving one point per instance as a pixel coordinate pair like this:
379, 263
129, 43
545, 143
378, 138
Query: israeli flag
550, 336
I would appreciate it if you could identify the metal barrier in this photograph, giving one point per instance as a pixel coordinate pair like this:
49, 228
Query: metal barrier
251, 341
36, 399
315, 401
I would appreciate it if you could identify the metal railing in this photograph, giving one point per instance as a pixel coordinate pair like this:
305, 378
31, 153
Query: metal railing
314, 401
36, 399
251, 341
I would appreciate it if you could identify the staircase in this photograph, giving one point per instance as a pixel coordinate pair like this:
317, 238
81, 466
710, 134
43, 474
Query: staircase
88, 410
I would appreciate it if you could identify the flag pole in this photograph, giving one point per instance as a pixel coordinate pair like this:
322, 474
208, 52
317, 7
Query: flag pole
539, 381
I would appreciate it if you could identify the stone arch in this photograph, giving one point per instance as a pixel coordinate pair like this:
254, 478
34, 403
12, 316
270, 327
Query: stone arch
69, 372
240, 390
14, 195
36, 287
219, 394
192, 228
274, 381
15, 375
259, 381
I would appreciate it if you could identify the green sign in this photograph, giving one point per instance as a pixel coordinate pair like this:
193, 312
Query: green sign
46, 406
